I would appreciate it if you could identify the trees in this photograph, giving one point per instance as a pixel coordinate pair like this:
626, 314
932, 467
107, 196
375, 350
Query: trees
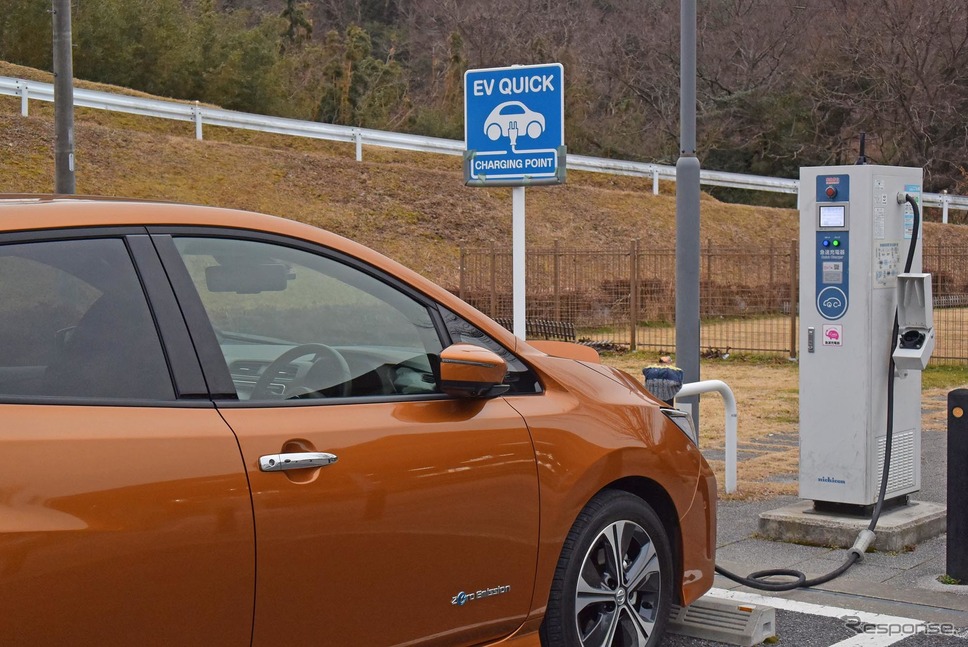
26, 33
899, 70
782, 83
360, 89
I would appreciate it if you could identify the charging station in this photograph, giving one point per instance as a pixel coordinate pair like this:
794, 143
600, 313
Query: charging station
866, 332
855, 232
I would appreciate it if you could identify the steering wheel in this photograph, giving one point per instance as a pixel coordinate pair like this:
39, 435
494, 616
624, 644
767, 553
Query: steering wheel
323, 353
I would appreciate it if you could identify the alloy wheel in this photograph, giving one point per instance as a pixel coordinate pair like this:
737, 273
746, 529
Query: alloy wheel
618, 590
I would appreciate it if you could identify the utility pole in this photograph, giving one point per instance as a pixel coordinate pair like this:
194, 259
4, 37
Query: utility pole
687, 210
63, 98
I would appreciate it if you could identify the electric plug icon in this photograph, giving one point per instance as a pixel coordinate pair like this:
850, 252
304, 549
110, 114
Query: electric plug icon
513, 134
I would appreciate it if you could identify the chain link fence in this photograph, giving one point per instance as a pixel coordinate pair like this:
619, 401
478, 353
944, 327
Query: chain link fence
625, 298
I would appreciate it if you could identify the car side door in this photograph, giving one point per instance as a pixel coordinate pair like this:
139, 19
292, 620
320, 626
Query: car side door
124, 509
418, 520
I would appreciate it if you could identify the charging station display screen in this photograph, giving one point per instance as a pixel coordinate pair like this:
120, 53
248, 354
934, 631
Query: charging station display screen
833, 216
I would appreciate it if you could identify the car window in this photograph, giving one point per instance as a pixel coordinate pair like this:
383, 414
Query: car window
520, 378
74, 322
294, 324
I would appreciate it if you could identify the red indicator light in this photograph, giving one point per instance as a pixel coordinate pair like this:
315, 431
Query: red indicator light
831, 192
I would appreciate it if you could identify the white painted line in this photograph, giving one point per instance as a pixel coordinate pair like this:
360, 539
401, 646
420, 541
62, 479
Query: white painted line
871, 640
904, 627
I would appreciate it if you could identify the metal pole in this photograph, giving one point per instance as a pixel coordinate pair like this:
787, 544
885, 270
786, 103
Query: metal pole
687, 210
462, 290
197, 114
633, 294
63, 99
517, 235
729, 402
24, 98
494, 313
557, 281
794, 296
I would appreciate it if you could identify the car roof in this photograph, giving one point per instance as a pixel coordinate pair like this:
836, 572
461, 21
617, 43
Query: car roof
25, 212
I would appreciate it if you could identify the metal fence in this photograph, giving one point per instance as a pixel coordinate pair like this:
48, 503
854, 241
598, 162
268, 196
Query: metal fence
748, 302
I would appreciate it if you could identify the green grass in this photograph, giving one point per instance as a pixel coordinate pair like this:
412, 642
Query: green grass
753, 359
944, 377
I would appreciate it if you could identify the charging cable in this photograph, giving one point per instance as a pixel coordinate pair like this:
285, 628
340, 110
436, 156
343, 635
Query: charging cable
855, 553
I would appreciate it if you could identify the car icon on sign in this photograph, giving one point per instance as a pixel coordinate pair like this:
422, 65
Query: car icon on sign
832, 302
513, 115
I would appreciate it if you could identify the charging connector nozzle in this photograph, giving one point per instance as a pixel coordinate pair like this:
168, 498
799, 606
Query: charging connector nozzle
861, 544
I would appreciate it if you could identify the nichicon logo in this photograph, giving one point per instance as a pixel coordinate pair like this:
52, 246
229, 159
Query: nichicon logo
830, 479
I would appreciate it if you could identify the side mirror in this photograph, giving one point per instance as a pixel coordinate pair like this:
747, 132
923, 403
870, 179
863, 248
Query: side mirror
470, 371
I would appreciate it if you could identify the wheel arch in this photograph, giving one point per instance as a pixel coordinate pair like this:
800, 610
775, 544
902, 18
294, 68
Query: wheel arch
660, 501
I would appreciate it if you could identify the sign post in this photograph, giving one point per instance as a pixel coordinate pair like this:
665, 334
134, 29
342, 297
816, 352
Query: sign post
514, 134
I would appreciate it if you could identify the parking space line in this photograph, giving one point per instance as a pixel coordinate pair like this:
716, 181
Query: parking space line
871, 640
864, 617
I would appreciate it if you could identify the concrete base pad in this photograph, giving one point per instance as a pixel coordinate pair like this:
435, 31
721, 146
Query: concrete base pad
897, 529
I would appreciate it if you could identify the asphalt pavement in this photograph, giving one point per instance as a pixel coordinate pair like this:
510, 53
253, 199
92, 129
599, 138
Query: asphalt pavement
886, 599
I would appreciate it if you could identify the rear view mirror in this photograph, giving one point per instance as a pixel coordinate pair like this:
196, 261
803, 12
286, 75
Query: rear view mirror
472, 372
247, 278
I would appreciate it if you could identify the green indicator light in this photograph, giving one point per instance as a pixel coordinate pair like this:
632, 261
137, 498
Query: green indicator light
836, 243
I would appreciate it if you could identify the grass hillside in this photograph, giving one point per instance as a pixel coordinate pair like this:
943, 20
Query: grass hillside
411, 206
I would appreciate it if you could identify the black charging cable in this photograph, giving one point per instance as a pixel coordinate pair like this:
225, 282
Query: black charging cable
759, 579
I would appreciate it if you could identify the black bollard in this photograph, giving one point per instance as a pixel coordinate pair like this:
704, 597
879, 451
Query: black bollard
957, 562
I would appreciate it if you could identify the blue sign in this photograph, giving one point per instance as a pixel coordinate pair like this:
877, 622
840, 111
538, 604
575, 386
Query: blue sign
514, 126
915, 190
833, 273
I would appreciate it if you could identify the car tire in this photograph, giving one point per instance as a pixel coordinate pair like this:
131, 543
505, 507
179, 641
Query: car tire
534, 130
595, 604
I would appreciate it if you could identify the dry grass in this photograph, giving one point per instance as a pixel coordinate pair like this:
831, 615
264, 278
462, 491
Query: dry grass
772, 334
767, 396
411, 206
767, 400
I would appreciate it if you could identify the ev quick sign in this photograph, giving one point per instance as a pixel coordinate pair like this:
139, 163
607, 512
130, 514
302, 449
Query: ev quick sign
514, 126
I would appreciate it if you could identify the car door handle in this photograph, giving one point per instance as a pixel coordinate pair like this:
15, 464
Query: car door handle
295, 461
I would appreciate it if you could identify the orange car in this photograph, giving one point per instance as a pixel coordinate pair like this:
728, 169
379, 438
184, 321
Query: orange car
224, 428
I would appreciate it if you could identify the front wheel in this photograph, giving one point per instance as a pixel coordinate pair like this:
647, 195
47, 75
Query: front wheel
614, 581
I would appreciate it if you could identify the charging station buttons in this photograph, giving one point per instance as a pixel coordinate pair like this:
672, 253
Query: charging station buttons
833, 187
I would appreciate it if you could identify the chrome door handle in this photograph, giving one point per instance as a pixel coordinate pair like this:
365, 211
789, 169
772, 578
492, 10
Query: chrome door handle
295, 461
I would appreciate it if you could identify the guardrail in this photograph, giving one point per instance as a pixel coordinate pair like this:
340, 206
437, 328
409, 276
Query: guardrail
203, 115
